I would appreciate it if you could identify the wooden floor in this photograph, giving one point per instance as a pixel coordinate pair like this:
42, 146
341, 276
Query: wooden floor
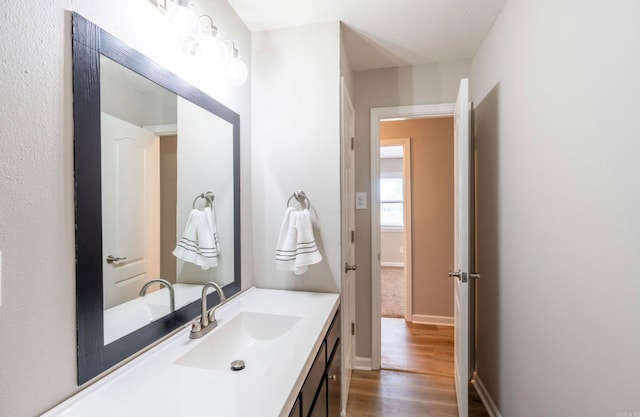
416, 379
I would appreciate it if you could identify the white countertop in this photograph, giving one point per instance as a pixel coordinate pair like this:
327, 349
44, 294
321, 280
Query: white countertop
154, 385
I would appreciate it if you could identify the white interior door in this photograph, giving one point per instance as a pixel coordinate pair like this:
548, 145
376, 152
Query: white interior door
348, 242
461, 257
130, 209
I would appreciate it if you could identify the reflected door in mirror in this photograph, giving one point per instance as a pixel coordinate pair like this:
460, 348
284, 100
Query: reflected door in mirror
130, 209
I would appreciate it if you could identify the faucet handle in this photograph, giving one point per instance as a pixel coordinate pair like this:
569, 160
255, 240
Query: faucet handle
196, 326
212, 316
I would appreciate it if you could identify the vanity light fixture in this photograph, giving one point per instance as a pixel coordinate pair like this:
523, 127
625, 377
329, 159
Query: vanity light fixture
204, 41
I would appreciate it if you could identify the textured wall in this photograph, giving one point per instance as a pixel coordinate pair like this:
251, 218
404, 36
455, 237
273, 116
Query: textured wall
428, 84
556, 89
37, 315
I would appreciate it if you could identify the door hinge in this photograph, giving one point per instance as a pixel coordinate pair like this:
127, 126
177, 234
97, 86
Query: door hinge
353, 142
353, 329
353, 236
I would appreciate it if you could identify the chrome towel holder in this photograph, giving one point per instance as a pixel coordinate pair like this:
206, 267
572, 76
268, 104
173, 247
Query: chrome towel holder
209, 196
301, 198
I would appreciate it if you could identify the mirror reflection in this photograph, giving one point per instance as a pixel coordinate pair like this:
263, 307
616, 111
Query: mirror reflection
167, 200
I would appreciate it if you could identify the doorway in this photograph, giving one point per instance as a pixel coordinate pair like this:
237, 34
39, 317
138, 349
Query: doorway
462, 173
429, 235
379, 115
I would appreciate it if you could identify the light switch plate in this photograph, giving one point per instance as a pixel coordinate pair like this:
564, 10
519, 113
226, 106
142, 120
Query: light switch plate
361, 201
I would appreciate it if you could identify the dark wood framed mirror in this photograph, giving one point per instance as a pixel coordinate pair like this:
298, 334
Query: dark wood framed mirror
91, 45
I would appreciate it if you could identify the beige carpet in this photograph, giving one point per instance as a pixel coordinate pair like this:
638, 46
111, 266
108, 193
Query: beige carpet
393, 291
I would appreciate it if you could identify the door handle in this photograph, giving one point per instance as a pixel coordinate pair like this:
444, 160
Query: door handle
111, 259
348, 267
463, 276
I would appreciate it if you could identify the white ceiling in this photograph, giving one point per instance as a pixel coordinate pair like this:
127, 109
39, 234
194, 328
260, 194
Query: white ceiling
385, 33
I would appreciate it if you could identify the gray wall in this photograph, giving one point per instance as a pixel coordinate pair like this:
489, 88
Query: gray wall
296, 145
556, 89
428, 84
392, 248
37, 315
205, 154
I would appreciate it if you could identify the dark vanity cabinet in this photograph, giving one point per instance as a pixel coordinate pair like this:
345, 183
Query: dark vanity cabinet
320, 394
334, 382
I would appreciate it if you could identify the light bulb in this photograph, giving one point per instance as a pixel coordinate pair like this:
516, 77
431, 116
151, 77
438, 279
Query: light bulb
184, 21
213, 50
237, 69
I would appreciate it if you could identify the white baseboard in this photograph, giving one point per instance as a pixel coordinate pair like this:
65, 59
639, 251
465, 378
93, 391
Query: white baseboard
491, 407
424, 319
362, 364
396, 264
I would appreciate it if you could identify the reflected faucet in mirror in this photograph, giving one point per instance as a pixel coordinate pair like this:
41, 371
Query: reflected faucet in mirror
172, 292
207, 320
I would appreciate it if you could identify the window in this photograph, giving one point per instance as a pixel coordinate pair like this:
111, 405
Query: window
391, 202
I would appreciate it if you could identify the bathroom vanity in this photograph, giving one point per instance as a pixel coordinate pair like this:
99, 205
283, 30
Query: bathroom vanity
284, 345
320, 394
289, 341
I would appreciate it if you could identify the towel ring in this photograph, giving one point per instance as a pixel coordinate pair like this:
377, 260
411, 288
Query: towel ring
301, 198
209, 196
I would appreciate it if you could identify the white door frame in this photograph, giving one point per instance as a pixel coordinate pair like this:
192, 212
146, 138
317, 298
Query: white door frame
379, 114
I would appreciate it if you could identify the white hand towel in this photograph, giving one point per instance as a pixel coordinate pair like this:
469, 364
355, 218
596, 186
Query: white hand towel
297, 247
199, 242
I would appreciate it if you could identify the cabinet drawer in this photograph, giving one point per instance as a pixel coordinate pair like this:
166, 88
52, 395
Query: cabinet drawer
334, 333
315, 377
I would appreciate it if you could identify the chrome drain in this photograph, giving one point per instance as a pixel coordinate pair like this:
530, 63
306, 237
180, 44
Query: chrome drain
238, 365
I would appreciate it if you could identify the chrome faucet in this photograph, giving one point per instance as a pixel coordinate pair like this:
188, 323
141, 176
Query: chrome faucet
207, 320
172, 292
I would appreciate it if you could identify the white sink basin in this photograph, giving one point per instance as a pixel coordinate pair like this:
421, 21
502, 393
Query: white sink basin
276, 332
252, 337
130, 316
